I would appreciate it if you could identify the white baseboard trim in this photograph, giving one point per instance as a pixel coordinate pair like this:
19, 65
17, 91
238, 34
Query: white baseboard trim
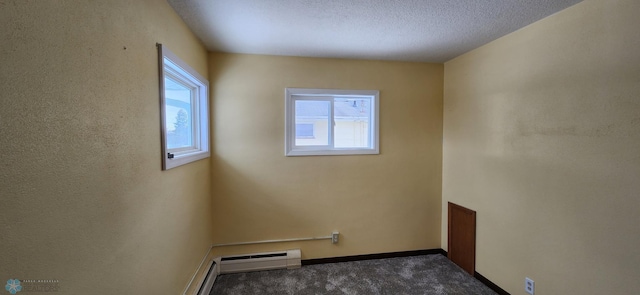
200, 275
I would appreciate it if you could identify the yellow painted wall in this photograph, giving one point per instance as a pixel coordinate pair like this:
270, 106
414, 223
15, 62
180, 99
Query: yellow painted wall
379, 203
83, 199
542, 138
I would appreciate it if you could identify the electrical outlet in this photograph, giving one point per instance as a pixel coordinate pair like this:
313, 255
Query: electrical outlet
529, 286
334, 237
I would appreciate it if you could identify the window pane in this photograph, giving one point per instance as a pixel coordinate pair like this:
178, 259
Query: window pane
179, 115
304, 130
352, 116
312, 117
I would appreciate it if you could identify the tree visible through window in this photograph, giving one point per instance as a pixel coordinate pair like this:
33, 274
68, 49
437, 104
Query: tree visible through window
181, 134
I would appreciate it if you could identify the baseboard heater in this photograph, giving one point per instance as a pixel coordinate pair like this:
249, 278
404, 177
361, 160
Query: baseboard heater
210, 278
289, 259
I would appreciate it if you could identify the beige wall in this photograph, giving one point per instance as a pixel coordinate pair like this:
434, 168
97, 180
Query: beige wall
542, 138
541, 133
379, 203
83, 198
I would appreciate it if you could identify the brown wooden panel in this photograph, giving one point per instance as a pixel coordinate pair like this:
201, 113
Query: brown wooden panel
462, 237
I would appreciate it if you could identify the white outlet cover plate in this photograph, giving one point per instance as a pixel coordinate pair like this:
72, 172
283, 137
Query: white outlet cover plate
529, 286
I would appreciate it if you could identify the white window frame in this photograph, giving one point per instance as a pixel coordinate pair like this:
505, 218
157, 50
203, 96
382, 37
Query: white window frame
172, 66
294, 94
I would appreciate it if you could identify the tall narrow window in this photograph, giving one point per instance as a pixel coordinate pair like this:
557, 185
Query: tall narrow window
331, 122
184, 106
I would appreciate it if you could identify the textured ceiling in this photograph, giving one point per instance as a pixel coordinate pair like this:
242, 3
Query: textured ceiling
409, 30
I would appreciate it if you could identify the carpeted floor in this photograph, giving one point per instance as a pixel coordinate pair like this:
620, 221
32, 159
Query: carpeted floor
427, 274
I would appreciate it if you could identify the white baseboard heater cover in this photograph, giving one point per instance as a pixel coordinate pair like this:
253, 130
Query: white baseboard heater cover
289, 259
209, 279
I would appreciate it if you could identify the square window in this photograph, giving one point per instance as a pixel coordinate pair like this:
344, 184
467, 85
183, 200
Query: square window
331, 122
184, 106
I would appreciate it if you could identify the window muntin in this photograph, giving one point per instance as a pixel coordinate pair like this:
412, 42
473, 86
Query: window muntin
344, 121
184, 111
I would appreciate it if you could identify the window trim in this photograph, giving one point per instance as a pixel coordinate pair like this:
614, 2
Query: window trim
329, 94
177, 68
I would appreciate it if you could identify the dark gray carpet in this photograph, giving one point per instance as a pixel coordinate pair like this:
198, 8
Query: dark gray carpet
427, 274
